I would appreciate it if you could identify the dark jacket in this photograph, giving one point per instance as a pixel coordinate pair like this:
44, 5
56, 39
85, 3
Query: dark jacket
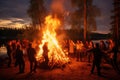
19, 55
31, 54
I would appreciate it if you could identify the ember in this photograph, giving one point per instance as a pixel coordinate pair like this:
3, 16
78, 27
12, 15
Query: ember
56, 55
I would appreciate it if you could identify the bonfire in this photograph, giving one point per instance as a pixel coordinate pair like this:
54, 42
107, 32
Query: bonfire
56, 55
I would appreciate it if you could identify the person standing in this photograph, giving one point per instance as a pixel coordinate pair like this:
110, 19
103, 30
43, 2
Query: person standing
31, 52
78, 50
113, 50
90, 46
97, 56
45, 54
9, 52
20, 59
71, 48
103, 46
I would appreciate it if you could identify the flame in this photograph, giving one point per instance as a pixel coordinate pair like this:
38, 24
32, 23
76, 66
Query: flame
56, 54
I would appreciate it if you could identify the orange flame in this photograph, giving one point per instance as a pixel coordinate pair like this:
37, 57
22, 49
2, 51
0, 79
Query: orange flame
56, 55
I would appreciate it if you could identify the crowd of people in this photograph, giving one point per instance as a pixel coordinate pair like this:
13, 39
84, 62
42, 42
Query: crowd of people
94, 52
17, 51
81, 51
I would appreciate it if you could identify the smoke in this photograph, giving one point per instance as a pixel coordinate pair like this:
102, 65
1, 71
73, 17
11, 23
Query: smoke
57, 6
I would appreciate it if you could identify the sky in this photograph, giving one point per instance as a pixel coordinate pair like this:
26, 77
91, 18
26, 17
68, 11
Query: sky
14, 13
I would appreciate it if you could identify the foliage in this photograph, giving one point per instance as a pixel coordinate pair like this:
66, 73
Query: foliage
31, 34
77, 16
37, 12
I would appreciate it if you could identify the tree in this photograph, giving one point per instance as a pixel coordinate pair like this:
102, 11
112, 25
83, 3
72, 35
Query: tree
30, 33
37, 12
77, 16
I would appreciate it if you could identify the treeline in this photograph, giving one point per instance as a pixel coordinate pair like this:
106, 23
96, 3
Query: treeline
78, 35
9, 34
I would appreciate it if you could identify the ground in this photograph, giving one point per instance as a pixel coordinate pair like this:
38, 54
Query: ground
73, 71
